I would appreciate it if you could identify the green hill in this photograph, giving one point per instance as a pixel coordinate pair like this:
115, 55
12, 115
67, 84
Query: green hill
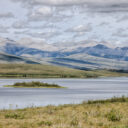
48, 71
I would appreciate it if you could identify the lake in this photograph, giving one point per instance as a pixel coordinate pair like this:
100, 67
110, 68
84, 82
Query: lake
77, 90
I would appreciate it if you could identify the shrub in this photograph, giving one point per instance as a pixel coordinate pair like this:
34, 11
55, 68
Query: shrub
74, 122
112, 100
113, 115
14, 115
47, 123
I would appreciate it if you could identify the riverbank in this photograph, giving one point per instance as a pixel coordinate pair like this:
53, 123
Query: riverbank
111, 113
48, 71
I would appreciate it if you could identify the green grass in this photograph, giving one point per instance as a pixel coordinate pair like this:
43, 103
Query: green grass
112, 113
112, 100
33, 84
48, 71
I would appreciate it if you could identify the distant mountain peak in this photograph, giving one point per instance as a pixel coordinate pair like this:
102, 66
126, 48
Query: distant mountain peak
101, 46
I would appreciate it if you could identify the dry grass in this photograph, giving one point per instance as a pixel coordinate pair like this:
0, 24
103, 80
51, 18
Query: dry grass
97, 115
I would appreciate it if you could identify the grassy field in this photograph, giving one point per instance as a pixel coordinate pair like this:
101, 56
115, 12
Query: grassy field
47, 71
33, 84
111, 113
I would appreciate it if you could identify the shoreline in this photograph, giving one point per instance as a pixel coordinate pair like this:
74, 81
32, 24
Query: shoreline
114, 99
109, 113
9, 86
63, 77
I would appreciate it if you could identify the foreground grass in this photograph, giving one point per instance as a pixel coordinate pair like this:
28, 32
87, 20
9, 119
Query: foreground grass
33, 84
47, 71
111, 113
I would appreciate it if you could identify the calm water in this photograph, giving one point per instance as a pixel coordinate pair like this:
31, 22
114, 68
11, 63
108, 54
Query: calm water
78, 90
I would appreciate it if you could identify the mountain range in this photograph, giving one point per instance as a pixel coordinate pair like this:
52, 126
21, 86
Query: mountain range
84, 56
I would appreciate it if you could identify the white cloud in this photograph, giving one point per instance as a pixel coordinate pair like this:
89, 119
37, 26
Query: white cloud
80, 28
44, 11
40, 13
84, 19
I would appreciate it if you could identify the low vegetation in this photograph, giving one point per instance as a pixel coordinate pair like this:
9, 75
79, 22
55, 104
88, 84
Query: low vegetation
112, 100
48, 71
33, 84
112, 113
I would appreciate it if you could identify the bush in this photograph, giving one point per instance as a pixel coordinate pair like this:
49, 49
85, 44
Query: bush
74, 122
113, 115
47, 123
14, 116
112, 100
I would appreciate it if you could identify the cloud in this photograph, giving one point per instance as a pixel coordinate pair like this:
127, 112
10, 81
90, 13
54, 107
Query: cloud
20, 32
20, 25
120, 33
43, 35
23, 27
6, 15
100, 6
40, 13
73, 19
80, 28
3, 29
51, 2
47, 13
73, 2
123, 18
103, 23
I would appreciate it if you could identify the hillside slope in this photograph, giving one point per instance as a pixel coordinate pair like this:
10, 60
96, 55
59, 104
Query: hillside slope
48, 71
6, 58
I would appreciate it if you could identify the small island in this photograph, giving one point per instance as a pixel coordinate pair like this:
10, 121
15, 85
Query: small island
34, 84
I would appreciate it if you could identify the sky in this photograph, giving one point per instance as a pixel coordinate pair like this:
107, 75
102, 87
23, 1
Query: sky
57, 21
